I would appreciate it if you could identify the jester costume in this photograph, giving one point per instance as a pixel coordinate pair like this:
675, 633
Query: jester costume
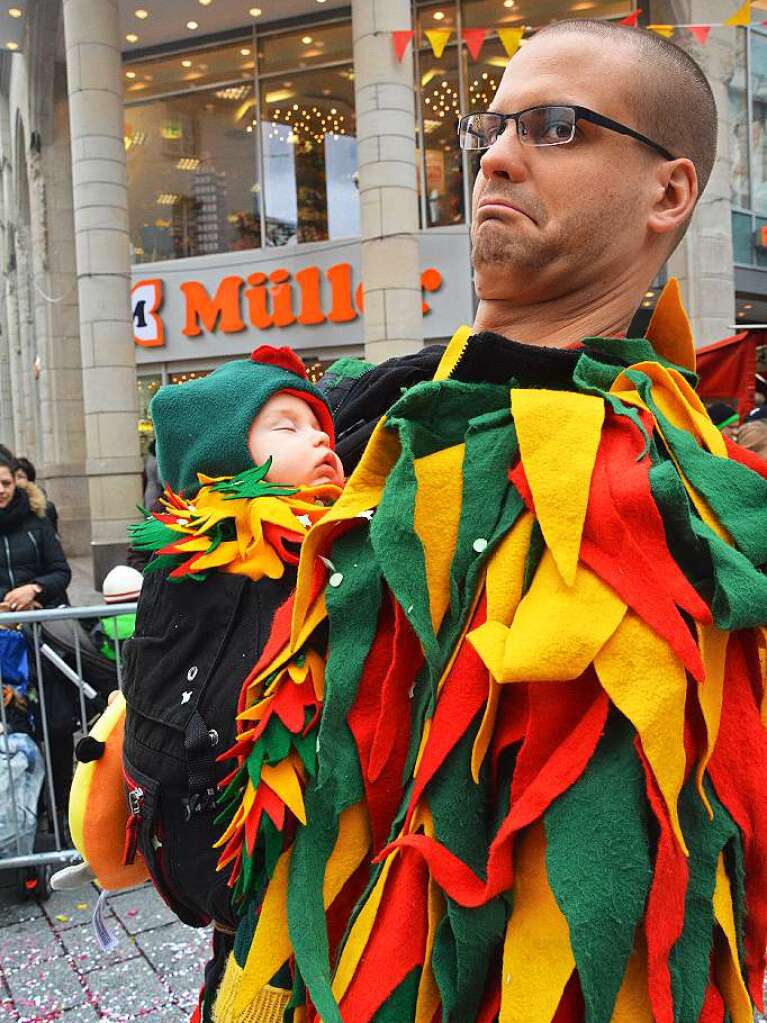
503, 757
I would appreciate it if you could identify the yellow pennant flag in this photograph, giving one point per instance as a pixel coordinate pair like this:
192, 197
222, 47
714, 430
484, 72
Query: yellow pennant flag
663, 30
438, 39
510, 39
742, 16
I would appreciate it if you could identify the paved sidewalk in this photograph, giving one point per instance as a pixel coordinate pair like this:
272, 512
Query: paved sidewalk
52, 969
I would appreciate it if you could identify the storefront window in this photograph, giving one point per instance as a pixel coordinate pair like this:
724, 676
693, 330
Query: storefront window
189, 71
492, 13
759, 122
741, 238
192, 174
439, 110
305, 48
309, 157
147, 388
738, 109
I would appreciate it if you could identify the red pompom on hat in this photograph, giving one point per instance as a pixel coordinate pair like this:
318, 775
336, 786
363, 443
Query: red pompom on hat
285, 358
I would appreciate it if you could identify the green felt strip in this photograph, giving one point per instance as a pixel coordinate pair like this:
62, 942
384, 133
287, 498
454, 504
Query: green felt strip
400, 1005
252, 483
690, 957
467, 939
631, 350
736, 494
599, 865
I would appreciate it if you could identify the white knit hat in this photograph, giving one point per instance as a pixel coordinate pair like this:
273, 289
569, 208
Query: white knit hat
121, 585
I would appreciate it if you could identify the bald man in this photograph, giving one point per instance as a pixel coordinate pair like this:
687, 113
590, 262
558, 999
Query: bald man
504, 757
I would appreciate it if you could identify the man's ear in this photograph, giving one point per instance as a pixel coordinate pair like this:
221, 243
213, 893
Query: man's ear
676, 192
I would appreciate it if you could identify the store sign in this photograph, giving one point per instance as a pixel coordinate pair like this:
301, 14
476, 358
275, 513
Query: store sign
277, 300
229, 303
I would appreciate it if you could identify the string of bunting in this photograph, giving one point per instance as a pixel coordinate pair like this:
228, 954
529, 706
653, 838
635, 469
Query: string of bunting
511, 38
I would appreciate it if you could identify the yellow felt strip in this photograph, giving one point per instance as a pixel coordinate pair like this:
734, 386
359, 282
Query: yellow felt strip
452, 353
669, 331
85, 774
537, 957
558, 629
362, 492
283, 780
761, 640
729, 977
506, 571
633, 1002
713, 648
271, 943
223, 1007
647, 682
436, 522
428, 998
486, 728
352, 843
559, 433
360, 933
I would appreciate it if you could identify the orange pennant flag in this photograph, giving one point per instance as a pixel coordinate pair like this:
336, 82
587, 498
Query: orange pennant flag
401, 40
700, 32
742, 16
474, 38
510, 39
663, 30
632, 20
438, 39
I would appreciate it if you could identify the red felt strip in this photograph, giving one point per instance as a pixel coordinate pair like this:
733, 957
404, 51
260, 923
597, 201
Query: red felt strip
563, 768
278, 639
623, 528
713, 1007
519, 479
738, 769
341, 909
396, 944
664, 917
463, 694
746, 457
571, 1008
511, 722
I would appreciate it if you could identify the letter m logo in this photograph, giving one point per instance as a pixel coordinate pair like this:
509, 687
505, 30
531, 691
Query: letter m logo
146, 299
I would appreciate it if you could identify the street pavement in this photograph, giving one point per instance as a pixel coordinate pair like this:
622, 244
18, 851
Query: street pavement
52, 969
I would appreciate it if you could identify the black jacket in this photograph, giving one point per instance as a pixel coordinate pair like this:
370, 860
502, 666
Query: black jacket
30, 552
193, 647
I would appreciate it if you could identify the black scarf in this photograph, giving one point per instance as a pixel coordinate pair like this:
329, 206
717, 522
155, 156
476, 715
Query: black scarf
15, 513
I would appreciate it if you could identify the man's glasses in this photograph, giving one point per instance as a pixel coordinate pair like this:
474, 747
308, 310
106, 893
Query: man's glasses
540, 126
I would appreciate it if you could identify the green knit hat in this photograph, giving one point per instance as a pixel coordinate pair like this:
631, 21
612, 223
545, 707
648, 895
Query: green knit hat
203, 425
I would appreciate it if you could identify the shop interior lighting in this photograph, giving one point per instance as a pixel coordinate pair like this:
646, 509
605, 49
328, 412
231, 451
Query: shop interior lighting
255, 12
192, 25
141, 13
748, 306
168, 199
233, 92
307, 40
12, 46
509, 3
130, 74
186, 63
131, 37
15, 12
245, 52
188, 163
439, 15
205, 3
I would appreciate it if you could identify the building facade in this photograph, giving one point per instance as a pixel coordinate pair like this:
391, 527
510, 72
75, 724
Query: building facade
181, 181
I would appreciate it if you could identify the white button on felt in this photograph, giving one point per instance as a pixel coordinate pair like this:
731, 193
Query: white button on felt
191, 675
480, 544
335, 580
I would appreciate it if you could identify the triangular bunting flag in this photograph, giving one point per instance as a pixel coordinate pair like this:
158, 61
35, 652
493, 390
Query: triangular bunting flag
510, 39
474, 37
438, 39
742, 16
700, 32
632, 20
400, 40
663, 30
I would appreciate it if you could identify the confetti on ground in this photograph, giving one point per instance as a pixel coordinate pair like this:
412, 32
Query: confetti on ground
62, 919
82, 905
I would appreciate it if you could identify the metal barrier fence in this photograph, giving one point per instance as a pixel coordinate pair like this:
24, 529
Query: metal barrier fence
24, 769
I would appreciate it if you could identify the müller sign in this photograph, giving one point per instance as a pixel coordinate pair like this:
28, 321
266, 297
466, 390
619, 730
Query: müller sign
309, 296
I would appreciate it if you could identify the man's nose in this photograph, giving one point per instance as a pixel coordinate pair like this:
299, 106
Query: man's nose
506, 157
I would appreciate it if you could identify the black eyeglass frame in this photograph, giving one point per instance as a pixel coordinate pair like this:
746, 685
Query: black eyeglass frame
581, 114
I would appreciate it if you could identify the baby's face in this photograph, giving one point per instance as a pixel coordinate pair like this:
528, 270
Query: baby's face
287, 431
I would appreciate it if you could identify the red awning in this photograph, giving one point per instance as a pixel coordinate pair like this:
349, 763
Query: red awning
727, 369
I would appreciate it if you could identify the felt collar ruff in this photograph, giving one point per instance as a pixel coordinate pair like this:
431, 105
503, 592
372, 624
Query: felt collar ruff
236, 524
503, 757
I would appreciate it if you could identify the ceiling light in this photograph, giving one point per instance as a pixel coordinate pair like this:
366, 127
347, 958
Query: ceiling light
141, 13
255, 12
206, 3
192, 25
306, 40
130, 74
245, 51
186, 63
12, 46
748, 306
509, 3
132, 37
15, 12
439, 15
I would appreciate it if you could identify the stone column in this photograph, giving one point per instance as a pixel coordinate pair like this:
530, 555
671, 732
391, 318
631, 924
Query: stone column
704, 261
387, 181
110, 399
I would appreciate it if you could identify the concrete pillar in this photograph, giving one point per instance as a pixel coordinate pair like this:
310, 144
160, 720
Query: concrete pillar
704, 261
387, 181
94, 76
28, 339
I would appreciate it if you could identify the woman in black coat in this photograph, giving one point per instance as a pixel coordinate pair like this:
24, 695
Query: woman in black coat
33, 567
